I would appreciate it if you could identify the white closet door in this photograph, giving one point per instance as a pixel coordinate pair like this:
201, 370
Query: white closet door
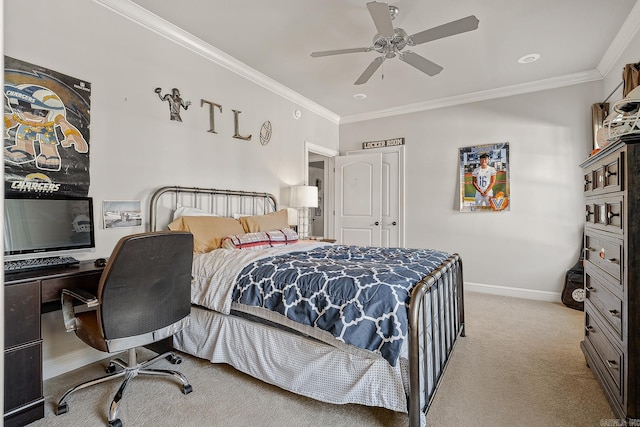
358, 201
391, 193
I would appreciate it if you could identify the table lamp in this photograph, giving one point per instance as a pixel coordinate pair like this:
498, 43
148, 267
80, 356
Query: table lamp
303, 197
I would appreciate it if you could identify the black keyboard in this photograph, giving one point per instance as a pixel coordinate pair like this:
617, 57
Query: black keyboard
38, 263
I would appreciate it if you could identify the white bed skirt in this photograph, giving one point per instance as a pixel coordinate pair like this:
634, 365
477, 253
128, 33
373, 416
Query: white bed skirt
295, 363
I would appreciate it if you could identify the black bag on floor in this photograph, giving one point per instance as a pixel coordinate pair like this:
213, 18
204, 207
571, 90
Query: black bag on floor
573, 293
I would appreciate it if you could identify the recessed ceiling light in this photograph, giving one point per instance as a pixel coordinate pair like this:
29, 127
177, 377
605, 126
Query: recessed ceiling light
359, 96
532, 57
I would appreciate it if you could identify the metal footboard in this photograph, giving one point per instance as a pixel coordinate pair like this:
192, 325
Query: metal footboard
436, 320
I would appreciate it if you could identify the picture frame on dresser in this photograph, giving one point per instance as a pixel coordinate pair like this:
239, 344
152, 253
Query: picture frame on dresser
611, 344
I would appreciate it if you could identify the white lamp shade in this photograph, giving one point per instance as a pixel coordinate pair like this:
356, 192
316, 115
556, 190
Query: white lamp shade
304, 196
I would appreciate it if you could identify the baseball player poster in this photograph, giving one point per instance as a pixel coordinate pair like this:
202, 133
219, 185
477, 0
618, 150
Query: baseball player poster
484, 178
46, 131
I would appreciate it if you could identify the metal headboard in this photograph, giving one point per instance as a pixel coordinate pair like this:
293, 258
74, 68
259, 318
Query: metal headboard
213, 200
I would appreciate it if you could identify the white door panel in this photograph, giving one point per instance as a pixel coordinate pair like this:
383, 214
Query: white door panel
357, 236
390, 210
358, 199
369, 198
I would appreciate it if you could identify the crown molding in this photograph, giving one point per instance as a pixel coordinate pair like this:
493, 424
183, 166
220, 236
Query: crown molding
626, 33
152, 22
519, 89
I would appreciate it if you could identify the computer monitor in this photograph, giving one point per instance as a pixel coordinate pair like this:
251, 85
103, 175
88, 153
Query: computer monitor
39, 227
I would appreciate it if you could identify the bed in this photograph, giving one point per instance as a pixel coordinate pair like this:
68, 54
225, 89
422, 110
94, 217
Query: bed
337, 323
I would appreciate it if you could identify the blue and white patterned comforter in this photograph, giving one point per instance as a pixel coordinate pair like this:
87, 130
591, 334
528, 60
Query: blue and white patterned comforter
358, 294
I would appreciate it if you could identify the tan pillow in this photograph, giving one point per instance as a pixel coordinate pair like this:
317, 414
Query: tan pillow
273, 221
208, 231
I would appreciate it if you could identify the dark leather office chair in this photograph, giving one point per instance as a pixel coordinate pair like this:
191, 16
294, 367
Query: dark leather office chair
144, 296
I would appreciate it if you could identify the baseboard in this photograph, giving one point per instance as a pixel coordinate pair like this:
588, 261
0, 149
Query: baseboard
506, 291
70, 361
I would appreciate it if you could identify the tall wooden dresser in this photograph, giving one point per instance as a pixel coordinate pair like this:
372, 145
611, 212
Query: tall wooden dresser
612, 273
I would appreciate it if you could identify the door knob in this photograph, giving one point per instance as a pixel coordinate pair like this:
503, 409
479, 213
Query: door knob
376, 223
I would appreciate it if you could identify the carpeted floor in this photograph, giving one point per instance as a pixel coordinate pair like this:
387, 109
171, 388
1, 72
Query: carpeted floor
520, 364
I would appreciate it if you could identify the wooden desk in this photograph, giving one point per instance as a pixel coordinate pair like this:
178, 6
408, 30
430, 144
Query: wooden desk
26, 296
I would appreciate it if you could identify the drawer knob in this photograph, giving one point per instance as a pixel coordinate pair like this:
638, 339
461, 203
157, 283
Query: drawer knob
589, 328
589, 288
611, 214
609, 173
602, 253
614, 313
613, 364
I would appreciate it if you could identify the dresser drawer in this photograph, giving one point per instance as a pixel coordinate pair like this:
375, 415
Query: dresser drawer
608, 305
605, 253
605, 213
21, 313
611, 358
22, 376
605, 175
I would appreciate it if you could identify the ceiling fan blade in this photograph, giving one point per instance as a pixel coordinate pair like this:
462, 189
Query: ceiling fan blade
381, 18
445, 30
420, 62
375, 64
340, 51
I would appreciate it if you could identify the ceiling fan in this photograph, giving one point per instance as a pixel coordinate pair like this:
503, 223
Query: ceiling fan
390, 41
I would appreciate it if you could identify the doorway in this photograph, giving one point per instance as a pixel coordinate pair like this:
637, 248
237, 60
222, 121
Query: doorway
319, 163
316, 177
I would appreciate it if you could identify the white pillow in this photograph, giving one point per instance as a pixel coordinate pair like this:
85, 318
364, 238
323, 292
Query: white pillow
189, 211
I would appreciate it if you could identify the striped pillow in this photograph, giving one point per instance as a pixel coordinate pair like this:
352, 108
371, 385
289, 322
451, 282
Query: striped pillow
260, 239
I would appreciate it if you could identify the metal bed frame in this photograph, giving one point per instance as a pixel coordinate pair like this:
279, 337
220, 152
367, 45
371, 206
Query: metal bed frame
436, 311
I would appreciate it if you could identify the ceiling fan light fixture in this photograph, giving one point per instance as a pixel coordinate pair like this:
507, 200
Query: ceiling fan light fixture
527, 59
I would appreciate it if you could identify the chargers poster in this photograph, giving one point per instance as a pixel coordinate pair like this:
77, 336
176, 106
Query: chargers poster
484, 178
46, 124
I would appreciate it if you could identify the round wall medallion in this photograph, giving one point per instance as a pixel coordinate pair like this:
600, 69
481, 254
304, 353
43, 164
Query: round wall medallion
297, 114
265, 133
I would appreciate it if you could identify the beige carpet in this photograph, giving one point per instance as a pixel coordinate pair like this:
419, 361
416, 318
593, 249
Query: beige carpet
520, 364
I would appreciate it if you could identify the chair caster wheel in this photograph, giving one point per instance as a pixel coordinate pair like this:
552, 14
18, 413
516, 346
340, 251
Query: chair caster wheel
62, 408
187, 389
111, 368
175, 360
115, 423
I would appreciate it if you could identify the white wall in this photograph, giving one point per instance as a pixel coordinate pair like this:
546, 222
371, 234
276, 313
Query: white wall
530, 247
134, 147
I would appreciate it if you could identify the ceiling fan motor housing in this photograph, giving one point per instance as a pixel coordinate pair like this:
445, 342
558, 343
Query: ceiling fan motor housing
391, 45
